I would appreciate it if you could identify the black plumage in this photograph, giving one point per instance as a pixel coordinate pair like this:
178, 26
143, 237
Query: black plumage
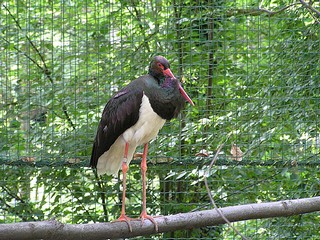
119, 114
133, 117
122, 110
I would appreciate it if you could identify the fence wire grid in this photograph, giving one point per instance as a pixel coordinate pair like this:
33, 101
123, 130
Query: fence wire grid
251, 67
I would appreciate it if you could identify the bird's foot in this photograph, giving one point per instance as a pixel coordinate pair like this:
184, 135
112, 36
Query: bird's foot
144, 216
125, 218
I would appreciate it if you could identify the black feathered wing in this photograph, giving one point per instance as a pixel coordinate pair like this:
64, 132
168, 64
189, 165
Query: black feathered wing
119, 114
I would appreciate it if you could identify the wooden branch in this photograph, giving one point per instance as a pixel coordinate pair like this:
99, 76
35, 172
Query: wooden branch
56, 230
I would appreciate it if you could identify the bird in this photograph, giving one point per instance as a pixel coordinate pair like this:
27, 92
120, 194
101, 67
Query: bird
133, 117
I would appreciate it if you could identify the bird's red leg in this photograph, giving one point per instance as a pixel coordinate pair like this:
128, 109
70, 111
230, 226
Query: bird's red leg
123, 217
144, 214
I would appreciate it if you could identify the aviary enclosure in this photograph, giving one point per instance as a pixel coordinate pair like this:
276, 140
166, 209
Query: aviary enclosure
251, 68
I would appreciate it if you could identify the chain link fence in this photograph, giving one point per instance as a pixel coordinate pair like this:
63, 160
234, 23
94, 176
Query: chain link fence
252, 69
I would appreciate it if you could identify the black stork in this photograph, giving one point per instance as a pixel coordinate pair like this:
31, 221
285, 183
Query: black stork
133, 117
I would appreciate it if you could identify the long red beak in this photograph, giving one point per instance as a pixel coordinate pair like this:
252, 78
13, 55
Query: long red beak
168, 73
185, 95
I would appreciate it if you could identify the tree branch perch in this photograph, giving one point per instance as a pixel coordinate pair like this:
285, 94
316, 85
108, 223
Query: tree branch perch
56, 230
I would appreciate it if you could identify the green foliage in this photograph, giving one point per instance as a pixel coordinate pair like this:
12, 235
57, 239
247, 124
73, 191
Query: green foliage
254, 78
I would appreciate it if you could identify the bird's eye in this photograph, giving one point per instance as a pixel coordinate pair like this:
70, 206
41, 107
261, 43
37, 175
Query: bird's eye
160, 65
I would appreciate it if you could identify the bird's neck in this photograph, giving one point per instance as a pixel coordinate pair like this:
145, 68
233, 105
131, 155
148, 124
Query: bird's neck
164, 96
168, 82
158, 76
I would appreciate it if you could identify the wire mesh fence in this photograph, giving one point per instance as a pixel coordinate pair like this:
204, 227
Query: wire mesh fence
252, 69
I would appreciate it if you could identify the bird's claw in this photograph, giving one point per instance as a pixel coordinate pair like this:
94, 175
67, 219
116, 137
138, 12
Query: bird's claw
144, 216
125, 218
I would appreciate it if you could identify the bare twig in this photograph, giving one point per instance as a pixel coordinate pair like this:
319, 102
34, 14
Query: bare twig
211, 198
25, 54
10, 208
258, 11
102, 194
65, 112
310, 7
311, 10
138, 16
44, 68
271, 13
147, 39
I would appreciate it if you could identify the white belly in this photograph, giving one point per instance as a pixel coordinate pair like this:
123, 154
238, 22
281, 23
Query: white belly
142, 132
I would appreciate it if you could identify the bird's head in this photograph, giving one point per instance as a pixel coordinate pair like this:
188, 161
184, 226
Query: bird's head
160, 69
